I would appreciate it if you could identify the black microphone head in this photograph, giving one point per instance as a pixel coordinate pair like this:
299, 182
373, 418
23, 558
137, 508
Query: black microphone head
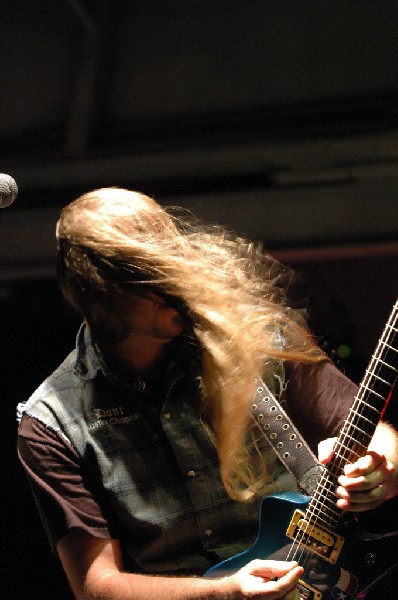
8, 190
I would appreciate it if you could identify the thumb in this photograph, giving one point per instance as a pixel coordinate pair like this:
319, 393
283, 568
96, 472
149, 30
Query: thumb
325, 450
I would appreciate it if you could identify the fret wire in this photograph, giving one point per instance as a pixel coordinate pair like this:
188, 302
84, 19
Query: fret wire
386, 339
367, 404
352, 429
325, 482
346, 431
387, 365
365, 387
322, 507
379, 378
324, 516
343, 456
375, 382
322, 513
370, 413
387, 358
324, 499
378, 358
340, 446
388, 334
319, 502
390, 378
382, 348
324, 492
386, 343
370, 410
358, 426
346, 435
320, 521
389, 347
327, 488
358, 415
391, 320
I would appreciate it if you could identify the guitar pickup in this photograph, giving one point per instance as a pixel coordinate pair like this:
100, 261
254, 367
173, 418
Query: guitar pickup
318, 540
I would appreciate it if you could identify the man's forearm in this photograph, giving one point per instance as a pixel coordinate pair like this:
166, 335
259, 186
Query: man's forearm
129, 586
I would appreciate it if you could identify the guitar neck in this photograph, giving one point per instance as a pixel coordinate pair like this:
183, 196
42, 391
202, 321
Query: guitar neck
368, 407
372, 397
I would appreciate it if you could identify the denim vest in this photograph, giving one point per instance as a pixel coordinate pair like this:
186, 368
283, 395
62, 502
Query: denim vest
159, 471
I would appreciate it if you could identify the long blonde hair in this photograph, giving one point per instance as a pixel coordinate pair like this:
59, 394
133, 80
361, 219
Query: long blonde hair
233, 293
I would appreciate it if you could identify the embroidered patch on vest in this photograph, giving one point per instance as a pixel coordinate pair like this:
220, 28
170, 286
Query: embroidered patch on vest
110, 417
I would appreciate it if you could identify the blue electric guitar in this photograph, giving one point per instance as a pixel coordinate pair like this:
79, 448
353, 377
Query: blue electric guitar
341, 560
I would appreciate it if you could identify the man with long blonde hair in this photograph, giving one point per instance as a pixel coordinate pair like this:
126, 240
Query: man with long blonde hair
140, 448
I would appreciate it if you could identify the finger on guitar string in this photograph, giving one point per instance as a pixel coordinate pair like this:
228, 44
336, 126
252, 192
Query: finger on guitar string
361, 501
268, 580
269, 568
372, 462
326, 449
366, 483
367, 474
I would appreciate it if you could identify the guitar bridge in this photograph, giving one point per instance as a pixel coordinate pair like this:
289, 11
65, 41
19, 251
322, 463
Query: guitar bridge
307, 592
318, 540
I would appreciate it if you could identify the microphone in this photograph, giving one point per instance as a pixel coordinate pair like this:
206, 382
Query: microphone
8, 190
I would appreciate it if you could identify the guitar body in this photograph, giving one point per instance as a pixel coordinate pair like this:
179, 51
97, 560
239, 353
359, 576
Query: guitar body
363, 559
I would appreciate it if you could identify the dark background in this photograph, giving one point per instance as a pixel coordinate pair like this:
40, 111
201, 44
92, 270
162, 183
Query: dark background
277, 118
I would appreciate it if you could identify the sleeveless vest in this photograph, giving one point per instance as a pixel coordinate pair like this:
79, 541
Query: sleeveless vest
162, 492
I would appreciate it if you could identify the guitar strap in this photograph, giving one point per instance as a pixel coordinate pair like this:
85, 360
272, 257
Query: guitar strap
288, 443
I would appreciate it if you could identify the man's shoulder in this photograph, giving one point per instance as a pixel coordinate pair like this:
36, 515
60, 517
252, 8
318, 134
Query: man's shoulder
57, 392
63, 376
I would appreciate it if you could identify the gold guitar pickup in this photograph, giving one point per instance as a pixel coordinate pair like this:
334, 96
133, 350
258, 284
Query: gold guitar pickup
318, 540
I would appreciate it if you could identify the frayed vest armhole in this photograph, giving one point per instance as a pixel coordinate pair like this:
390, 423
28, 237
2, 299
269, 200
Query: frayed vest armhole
48, 426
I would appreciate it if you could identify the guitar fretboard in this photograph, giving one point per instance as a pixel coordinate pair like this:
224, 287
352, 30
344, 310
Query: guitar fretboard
368, 407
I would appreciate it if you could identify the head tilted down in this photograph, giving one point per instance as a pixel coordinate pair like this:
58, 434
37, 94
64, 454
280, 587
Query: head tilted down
113, 242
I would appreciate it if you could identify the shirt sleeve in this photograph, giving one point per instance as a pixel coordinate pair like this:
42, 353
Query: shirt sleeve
319, 397
66, 496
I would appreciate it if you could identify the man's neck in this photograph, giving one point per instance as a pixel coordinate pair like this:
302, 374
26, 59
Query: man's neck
142, 357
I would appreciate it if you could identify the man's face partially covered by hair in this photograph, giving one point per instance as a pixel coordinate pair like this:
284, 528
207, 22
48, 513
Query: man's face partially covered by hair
153, 317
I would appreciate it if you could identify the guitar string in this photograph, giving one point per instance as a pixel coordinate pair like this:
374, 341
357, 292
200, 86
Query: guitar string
314, 517
316, 510
323, 490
